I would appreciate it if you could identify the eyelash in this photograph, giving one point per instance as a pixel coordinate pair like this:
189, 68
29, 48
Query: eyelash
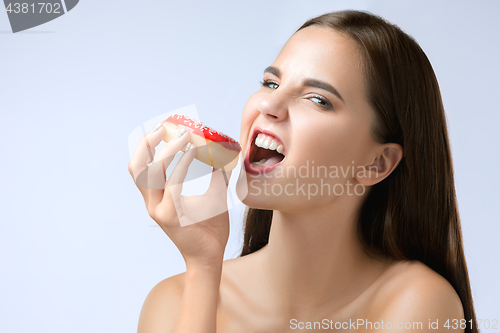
266, 83
324, 103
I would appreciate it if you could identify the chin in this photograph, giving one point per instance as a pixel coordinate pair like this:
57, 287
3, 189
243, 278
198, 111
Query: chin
253, 196
256, 203
269, 201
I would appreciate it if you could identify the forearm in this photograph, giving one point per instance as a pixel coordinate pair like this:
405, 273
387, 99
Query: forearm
198, 309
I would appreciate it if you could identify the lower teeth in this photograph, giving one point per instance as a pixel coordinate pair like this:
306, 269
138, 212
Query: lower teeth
260, 163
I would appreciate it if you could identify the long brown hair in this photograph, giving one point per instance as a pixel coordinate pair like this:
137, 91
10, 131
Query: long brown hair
412, 214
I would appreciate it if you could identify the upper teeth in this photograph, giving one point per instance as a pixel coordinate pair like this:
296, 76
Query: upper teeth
268, 142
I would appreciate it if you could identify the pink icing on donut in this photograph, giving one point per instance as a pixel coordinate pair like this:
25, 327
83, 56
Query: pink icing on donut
204, 131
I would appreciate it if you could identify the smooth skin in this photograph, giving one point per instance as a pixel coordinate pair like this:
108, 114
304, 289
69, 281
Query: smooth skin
314, 266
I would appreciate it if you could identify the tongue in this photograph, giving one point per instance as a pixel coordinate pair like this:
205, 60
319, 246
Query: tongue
272, 160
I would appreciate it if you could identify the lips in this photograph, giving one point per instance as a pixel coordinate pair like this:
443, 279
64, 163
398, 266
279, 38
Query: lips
254, 151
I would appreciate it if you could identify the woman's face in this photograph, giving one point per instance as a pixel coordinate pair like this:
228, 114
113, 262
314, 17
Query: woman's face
313, 101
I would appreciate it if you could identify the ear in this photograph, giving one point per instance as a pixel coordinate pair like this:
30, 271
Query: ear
387, 159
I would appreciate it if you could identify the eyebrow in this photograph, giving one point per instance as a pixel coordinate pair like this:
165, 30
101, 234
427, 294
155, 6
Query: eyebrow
307, 82
273, 70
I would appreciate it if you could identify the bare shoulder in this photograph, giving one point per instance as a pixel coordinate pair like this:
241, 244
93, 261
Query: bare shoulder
161, 307
412, 292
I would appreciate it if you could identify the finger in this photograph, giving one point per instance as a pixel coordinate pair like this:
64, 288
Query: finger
143, 156
155, 180
167, 154
179, 173
227, 176
219, 183
144, 153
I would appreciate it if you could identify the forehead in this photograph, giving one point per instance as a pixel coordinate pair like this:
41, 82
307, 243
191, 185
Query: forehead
324, 54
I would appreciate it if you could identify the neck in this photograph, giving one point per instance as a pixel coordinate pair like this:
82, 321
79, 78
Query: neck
314, 258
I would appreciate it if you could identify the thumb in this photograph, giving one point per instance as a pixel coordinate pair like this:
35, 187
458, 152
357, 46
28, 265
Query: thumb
219, 181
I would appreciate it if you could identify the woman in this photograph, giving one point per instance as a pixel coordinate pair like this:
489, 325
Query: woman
369, 241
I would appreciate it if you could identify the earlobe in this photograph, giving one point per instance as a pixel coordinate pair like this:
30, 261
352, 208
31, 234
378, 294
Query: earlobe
383, 165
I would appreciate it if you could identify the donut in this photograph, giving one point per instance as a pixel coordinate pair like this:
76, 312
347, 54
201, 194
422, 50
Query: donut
213, 148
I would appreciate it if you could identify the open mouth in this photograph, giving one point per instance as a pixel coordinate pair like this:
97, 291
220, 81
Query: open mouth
265, 153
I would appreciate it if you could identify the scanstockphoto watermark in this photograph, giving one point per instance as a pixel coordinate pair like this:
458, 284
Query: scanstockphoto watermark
356, 324
328, 324
311, 180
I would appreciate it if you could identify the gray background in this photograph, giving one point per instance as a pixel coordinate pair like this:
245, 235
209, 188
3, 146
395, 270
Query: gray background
78, 251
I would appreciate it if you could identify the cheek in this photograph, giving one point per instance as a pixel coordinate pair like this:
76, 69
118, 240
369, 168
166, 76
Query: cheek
349, 149
337, 143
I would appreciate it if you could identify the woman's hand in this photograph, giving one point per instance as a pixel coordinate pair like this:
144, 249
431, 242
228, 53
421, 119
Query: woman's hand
198, 225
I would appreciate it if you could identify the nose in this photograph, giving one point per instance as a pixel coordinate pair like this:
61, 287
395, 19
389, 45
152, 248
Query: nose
274, 105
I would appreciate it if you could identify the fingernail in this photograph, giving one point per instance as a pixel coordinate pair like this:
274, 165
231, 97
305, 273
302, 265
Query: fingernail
157, 127
180, 133
188, 146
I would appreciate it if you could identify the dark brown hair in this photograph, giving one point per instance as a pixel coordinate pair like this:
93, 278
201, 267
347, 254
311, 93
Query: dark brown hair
412, 214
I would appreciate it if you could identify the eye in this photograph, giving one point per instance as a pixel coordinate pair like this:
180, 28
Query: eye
321, 101
269, 84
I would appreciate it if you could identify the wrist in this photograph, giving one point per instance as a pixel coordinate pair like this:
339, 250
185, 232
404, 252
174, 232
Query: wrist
205, 268
200, 297
204, 265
